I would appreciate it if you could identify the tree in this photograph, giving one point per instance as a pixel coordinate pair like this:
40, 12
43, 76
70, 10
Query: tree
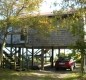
10, 11
81, 45
74, 21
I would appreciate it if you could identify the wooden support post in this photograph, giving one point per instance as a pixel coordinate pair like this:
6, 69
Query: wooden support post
11, 51
52, 57
32, 56
64, 52
58, 52
42, 59
11, 45
15, 59
22, 58
19, 57
27, 58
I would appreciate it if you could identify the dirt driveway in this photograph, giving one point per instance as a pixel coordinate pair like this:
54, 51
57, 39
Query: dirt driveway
52, 74
47, 74
63, 73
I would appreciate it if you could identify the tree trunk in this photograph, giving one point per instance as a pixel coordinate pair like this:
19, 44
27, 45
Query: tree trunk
82, 62
1, 56
1, 49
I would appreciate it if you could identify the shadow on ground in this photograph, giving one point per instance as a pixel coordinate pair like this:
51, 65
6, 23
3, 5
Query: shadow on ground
47, 74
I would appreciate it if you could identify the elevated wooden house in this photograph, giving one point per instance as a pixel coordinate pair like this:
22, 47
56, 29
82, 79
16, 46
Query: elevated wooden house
60, 38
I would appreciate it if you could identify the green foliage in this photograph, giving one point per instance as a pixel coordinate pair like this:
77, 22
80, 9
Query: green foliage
19, 14
10, 10
17, 7
76, 56
42, 24
62, 55
73, 11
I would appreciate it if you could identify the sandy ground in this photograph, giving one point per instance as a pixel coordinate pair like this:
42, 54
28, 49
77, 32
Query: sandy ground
53, 74
47, 74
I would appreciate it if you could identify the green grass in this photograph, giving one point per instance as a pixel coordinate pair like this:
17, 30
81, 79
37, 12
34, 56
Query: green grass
37, 75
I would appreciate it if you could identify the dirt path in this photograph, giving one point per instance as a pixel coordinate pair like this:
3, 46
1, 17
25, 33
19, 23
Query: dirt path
47, 74
55, 75
59, 73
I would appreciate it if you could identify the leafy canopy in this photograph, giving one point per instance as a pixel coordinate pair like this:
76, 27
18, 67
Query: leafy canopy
12, 9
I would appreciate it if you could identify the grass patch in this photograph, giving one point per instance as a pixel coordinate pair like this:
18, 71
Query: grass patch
37, 75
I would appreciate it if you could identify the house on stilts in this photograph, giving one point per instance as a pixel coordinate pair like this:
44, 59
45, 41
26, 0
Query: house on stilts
22, 51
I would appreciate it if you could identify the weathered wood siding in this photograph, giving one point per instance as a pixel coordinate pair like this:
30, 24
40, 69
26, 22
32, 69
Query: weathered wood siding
59, 37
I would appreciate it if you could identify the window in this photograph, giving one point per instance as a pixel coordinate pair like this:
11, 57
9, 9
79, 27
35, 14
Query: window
23, 37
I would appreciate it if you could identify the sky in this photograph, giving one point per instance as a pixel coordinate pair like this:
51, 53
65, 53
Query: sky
48, 5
